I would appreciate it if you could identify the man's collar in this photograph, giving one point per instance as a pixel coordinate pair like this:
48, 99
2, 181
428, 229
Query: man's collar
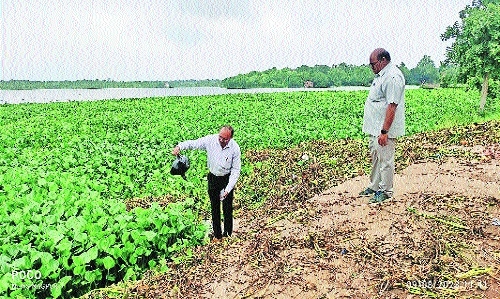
385, 69
228, 145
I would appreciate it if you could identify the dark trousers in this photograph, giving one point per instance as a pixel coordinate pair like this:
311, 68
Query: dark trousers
215, 185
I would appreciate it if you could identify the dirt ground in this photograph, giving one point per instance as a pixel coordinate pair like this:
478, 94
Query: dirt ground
436, 238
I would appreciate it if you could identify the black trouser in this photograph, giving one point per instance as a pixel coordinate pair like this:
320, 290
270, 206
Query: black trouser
215, 185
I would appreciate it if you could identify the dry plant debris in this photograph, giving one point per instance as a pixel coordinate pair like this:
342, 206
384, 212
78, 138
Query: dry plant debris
313, 237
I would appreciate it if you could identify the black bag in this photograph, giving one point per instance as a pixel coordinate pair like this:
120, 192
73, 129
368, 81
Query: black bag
180, 166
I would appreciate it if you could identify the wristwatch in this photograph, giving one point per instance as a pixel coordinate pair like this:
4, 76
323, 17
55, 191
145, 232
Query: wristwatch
383, 131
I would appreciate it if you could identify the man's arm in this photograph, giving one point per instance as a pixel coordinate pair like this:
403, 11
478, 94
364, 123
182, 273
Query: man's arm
389, 118
394, 93
200, 143
235, 171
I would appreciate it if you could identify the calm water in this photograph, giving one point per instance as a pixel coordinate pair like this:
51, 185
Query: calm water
65, 95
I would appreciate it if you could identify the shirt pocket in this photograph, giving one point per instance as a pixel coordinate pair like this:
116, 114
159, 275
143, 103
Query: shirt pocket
376, 94
227, 162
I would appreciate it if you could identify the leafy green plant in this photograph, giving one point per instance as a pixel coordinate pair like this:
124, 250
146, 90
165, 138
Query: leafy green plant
100, 244
66, 170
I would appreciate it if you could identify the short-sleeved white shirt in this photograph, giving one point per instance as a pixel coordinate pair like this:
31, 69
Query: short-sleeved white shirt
387, 87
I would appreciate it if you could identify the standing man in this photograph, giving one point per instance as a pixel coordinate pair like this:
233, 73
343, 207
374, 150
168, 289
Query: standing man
384, 121
224, 164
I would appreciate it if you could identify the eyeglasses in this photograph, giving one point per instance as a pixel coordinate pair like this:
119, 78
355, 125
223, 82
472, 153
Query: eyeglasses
372, 64
224, 139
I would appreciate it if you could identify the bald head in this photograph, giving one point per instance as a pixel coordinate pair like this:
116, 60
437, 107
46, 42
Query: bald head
381, 53
379, 58
225, 135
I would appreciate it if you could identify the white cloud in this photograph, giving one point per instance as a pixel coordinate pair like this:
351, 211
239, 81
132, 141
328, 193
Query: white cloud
168, 40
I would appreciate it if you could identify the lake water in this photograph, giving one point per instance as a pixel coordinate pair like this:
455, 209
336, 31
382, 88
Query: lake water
65, 95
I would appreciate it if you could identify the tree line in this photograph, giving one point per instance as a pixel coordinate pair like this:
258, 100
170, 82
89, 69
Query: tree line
322, 76
99, 84
319, 76
78, 84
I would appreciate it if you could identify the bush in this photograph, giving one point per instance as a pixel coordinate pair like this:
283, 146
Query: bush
476, 83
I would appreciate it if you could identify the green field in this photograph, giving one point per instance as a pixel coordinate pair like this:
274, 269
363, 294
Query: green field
68, 169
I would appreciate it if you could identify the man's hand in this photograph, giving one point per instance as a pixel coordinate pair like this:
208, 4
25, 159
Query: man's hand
389, 118
382, 139
176, 151
223, 194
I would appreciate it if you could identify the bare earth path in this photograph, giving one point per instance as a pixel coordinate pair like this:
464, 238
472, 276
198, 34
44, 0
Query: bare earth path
437, 238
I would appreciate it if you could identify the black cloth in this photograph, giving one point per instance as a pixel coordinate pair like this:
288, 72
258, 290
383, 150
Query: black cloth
215, 185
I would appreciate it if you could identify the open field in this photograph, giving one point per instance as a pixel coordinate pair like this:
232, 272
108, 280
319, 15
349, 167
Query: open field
70, 171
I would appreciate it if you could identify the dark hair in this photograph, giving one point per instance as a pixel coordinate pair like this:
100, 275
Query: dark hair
383, 54
230, 129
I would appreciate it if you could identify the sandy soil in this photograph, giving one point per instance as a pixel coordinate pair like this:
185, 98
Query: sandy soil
436, 238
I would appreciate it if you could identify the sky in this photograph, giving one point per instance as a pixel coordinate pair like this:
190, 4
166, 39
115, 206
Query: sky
165, 40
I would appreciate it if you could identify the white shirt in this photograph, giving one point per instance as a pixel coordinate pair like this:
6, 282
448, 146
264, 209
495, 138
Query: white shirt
387, 87
220, 161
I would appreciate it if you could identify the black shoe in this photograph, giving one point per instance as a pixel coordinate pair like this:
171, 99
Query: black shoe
212, 236
225, 235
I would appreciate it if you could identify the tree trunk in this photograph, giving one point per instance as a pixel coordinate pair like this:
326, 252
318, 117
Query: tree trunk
484, 92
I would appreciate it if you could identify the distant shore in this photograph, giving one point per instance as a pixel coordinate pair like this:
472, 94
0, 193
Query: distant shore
67, 95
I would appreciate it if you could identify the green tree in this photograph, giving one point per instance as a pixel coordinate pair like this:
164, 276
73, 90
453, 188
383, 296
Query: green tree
425, 71
448, 75
476, 49
360, 76
406, 72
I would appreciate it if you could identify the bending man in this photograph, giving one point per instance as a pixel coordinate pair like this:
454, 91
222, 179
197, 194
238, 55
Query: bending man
224, 165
